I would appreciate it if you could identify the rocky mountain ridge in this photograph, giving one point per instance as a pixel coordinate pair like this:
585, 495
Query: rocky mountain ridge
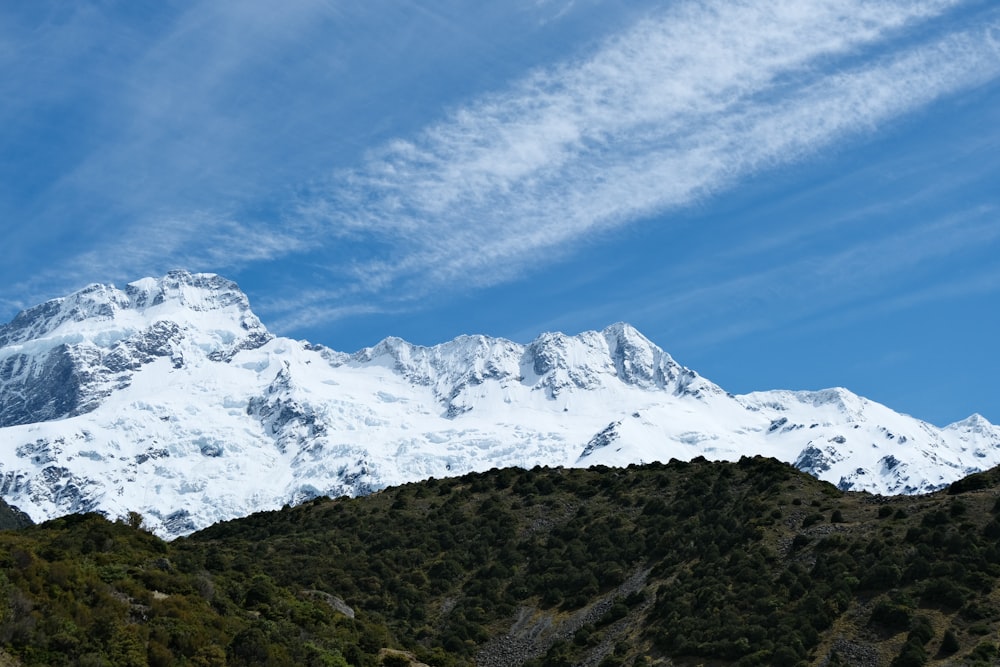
169, 397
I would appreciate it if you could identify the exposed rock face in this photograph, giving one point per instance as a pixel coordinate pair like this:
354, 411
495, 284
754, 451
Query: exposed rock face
70, 380
11, 518
605, 438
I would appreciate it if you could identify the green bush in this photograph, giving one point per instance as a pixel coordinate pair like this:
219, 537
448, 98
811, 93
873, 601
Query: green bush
891, 616
438, 569
949, 643
911, 655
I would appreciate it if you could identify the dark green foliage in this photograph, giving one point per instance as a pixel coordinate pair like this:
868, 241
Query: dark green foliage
945, 592
973, 482
985, 653
921, 631
911, 655
949, 643
740, 564
395, 660
891, 616
83, 590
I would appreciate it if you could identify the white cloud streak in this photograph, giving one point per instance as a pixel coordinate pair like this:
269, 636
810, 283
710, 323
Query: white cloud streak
676, 108
162, 244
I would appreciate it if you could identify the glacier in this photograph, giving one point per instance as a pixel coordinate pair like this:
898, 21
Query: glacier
170, 398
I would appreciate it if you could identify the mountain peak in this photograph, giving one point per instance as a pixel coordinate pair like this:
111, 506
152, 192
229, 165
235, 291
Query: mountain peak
974, 423
99, 304
65, 356
623, 330
170, 398
975, 419
196, 291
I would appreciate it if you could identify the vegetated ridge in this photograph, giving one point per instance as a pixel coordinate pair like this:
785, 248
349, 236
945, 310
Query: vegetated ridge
170, 398
685, 563
12, 517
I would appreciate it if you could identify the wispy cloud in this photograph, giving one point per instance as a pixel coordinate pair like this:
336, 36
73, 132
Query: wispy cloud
196, 241
678, 107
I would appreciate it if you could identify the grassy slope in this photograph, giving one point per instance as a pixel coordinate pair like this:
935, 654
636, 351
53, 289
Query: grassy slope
685, 563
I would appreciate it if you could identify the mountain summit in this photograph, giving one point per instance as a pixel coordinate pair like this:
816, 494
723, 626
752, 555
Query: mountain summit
170, 398
64, 357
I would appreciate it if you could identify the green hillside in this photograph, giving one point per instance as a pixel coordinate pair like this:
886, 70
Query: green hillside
698, 563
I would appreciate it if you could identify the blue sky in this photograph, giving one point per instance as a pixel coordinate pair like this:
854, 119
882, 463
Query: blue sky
782, 195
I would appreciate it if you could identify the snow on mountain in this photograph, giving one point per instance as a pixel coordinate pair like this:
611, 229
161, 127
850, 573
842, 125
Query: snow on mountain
64, 357
860, 444
170, 398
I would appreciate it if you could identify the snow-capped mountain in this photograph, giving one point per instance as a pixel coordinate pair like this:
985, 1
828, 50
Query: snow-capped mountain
170, 398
